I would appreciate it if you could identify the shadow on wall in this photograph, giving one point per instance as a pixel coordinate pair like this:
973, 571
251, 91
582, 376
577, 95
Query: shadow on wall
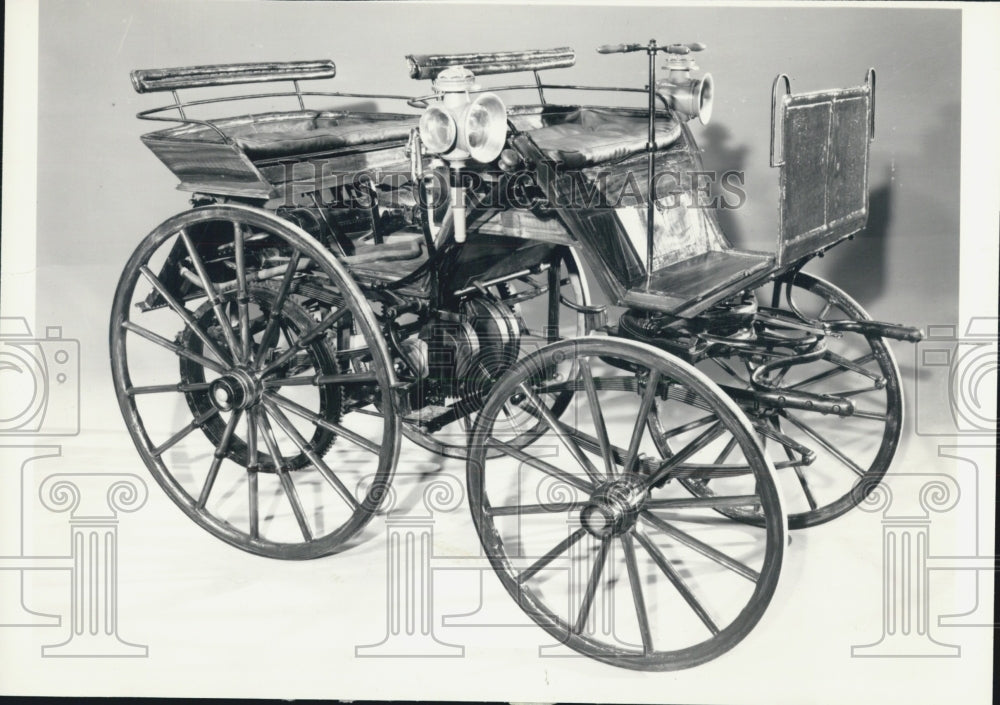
721, 155
863, 274
915, 203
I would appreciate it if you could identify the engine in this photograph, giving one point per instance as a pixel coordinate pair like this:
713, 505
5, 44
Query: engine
460, 354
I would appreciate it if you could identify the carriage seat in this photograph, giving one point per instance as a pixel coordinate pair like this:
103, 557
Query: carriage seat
286, 134
588, 136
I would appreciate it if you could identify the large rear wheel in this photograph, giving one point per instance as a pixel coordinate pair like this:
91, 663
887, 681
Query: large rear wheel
233, 341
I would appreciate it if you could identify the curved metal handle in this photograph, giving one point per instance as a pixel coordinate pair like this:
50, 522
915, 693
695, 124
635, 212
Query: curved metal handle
775, 161
669, 48
619, 48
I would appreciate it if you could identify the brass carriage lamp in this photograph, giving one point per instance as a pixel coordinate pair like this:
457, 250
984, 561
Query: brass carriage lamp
460, 127
689, 96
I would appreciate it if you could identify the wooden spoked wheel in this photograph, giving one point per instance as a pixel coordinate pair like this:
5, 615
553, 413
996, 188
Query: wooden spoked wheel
588, 529
542, 308
826, 463
233, 341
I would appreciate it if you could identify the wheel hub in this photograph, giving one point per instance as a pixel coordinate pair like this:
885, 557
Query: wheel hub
614, 506
237, 389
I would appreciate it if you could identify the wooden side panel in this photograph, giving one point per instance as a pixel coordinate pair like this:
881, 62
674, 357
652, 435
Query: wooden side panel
214, 168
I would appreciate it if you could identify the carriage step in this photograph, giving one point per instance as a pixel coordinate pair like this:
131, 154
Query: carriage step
788, 399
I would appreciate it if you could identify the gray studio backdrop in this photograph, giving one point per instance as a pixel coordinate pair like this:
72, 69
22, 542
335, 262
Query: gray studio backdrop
100, 191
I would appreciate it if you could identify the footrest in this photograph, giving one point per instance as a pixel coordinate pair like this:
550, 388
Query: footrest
399, 249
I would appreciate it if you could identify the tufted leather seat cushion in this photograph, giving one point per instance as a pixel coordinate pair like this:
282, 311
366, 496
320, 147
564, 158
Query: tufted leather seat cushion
590, 136
286, 134
303, 135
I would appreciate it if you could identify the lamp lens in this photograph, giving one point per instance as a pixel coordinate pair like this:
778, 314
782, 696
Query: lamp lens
437, 130
486, 127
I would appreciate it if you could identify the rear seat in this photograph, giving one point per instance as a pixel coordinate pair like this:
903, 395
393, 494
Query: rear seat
275, 135
589, 136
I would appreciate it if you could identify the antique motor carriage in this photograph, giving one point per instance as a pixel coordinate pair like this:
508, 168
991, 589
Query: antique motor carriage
347, 277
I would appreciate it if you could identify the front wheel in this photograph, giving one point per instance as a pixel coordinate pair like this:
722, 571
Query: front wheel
588, 529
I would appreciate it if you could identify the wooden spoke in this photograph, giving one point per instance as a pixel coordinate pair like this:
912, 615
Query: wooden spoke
184, 314
650, 466
274, 316
242, 298
305, 413
539, 464
218, 456
212, 294
853, 365
691, 425
550, 555
704, 502
809, 431
293, 499
183, 433
173, 347
160, 388
320, 380
637, 597
254, 502
535, 509
252, 467
701, 547
598, 417
305, 339
667, 466
648, 397
844, 366
317, 462
675, 579
730, 446
799, 474
286, 482
592, 585
568, 442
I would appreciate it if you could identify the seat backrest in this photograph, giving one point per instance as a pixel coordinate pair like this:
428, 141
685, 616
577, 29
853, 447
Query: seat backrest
824, 138
430, 65
172, 79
